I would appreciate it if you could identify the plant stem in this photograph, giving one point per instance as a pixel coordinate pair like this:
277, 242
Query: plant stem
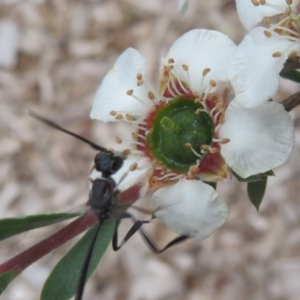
34, 253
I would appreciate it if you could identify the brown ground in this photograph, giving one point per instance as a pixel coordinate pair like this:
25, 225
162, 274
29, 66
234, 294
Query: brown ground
64, 50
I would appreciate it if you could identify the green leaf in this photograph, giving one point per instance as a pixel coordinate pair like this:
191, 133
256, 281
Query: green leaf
253, 178
13, 226
256, 191
6, 278
293, 75
63, 280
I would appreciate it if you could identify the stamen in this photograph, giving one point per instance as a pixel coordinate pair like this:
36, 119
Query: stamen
134, 136
139, 76
221, 141
214, 150
182, 86
198, 111
133, 167
142, 137
138, 143
189, 146
288, 11
277, 54
113, 113
111, 149
140, 82
206, 71
174, 86
198, 100
255, 2
129, 117
126, 152
267, 33
130, 93
193, 169
216, 116
185, 67
151, 96
118, 140
293, 54
119, 117
212, 83
267, 21
171, 60
262, 2
177, 177
289, 2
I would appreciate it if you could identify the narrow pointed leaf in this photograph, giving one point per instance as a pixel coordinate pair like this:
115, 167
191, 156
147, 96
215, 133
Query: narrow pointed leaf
12, 226
6, 278
256, 191
63, 280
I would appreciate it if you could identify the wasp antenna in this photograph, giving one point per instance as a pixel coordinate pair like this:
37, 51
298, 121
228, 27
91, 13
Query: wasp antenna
54, 125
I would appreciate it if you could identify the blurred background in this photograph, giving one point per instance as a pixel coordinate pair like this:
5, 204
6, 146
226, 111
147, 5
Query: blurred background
53, 56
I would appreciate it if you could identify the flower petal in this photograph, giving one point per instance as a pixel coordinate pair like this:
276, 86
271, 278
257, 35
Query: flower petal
191, 208
254, 72
250, 15
112, 93
200, 49
261, 138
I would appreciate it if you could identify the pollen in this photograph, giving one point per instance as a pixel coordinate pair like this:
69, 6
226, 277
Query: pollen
151, 96
113, 113
267, 33
129, 92
198, 111
119, 140
277, 54
212, 83
185, 67
129, 117
293, 54
140, 82
205, 71
139, 76
133, 167
267, 21
134, 135
225, 141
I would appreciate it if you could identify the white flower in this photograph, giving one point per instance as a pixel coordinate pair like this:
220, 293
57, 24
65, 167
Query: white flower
264, 49
182, 6
190, 130
251, 12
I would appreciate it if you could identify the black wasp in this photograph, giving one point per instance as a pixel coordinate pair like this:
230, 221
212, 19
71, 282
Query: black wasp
103, 200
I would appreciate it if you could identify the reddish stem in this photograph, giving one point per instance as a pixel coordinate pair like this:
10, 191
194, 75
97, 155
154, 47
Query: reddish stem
34, 253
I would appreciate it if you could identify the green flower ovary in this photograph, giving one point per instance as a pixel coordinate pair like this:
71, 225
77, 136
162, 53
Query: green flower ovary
175, 125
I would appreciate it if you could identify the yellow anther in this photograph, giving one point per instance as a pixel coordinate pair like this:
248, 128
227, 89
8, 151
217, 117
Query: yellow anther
289, 2
267, 33
219, 106
133, 167
129, 117
197, 100
169, 68
164, 169
129, 92
188, 145
190, 177
171, 60
111, 149
113, 113
288, 11
205, 71
293, 54
118, 140
139, 76
277, 54
267, 21
193, 169
185, 67
140, 82
151, 96
198, 111
119, 117
126, 152
166, 180
225, 141
153, 180
212, 83
204, 147
213, 150
262, 2
255, 2
134, 135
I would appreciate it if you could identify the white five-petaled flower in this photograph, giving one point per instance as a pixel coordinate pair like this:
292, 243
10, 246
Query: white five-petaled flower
262, 54
191, 129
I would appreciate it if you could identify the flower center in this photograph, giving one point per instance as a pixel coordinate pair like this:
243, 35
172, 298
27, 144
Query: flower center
175, 125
